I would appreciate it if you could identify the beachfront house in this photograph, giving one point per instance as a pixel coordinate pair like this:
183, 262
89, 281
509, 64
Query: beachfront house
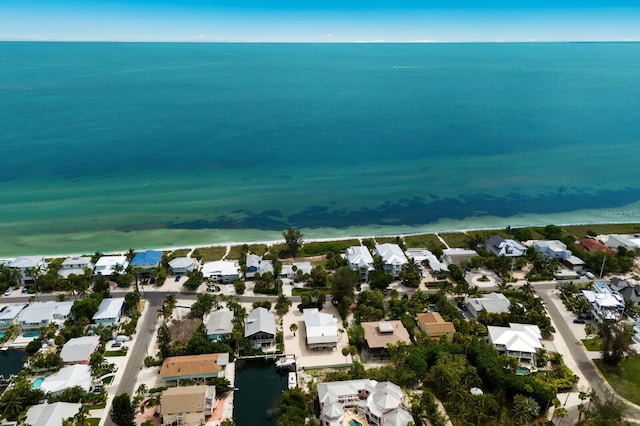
591, 244
322, 329
435, 326
109, 311
181, 265
260, 328
520, 341
393, 258
42, 314
256, 265
379, 403
51, 414
224, 271
187, 405
28, 267
199, 368
360, 260
615, 240
67, 377
493, 303
291, 271
108, 265
9, 315
147, 259
423, 256
455, 256
605, 303
380, 334
78, 350
558, 250
504, 247
76, 265
220, 325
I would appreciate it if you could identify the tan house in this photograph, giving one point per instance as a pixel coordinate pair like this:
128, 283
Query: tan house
196, 367
187, 405
435, 326
378, 335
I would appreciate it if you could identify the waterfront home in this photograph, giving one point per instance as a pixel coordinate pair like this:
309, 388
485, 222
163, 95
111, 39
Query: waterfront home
322, 329
605, 304
520, 341
424, 255
435, 326
360, 260
291, 272
181, 265
503, 247
455, 256
51, 414
591, 244
380, 403
629, 292
109, 311
558, 250
256, 265
260, 328
107, 265
220, 325
380, 334
188, 405
194, 367
224, 271
28, 267
42, 314
493, 303
393, 258
9, 315
147, 259
615, 240
68, 377
76, 265
78, 350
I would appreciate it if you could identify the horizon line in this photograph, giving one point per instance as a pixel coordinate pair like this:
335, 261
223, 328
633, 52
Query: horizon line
196, 41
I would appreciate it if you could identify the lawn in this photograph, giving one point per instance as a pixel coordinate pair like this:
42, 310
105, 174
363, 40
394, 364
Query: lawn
592, 344
179, 253
625, 378
93, 421
208, 254
580, 231
423, 241
114, 353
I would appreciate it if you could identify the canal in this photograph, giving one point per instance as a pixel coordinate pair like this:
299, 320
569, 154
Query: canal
260, 388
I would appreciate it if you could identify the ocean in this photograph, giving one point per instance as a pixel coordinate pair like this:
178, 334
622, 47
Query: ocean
111, 146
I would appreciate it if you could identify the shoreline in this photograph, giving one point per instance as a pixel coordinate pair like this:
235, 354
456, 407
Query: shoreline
325, 239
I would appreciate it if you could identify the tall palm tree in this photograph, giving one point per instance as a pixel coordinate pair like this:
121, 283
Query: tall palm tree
11, 404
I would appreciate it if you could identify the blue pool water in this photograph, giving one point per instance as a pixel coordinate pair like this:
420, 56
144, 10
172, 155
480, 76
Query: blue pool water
522, 371
2, 335
37, 383
353, 422
31, 334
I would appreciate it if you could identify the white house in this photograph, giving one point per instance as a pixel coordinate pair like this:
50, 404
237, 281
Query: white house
224, 271
181, 265
504, 247
27, 265
421, 255
520, 341
107, 265
322, 329
558, 250
68, 377
78, 350
616, 240
291, 272
51, 414
454, 256
75, 265
109, 311
41, 314
393, 258
256, 265
9, 315
492, 303
606, 304
360, 260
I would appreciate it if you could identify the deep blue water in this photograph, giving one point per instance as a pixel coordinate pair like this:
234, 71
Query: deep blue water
260, 387
157, 143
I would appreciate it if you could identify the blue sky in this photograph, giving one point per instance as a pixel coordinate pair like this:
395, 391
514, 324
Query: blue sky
320, 21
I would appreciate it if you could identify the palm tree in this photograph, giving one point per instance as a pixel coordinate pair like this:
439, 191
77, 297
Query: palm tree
293, 327
11, 404
345, 352
81, 416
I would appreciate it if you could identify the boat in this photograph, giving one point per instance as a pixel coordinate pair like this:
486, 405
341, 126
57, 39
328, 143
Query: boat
293, 380
4, 348
285, 362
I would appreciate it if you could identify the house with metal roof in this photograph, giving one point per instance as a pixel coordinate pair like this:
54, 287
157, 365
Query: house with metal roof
42, 314
322, 329
224, 271
76, 265
455, 256
68, 377
188, 405
520, 341
291, 271
435, 326
492, 303
51, 414
147, 259
422, 255
360, 260
260, 328
181, 265
393, 258
256, 265
107, 265
220, 325
195, 367
9, 315
379, 335
28, 265
109, 311
78, 350
616, 240
504, 247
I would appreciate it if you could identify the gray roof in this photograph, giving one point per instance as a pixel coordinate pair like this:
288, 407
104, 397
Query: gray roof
26, 262
79, 348
181, 262
321, 328
492, 303
68, 377
260, 320
51, 414
44, 311
11, 312
109, 308
220, 322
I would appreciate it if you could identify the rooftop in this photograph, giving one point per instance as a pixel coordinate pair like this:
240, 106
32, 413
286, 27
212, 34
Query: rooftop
147, 258
193, 365
109, 308
379, 334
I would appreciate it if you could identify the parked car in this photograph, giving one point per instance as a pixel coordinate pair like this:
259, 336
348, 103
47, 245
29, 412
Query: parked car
578, 321
178, 278
462, 306
584, 316
25, 289
8, 292
116, 345
589, 275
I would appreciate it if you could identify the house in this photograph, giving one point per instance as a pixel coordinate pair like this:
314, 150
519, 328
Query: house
68, 377
220, 325
492, 303
42, 314
558, 250
393, 258
224, 271
76, 265
291, 272
629, 292
195, 367
360, 260
9, 315
322, 329
591, 244
147, 259
502, 247
422, 255
260, 328
255, 265
181, 265
606, 304
107, 265
51, 414
78, 350
379, 402
520, 341
455, 256
435, 326
188, 405
28, 266
615, 240
380, 334
109, 311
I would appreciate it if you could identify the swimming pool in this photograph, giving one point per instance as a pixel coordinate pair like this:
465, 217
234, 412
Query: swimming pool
37, 383
31, 334
522, 371
2, 334
354, 422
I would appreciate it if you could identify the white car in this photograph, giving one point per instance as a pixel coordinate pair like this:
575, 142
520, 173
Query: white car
8, 292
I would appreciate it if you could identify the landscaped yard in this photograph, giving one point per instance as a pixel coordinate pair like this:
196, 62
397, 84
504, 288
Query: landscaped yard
592, 344
625, 378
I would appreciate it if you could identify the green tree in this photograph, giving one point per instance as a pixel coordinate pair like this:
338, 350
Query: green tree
318, 277
410, 275
194, 279
203, 305
87, 307
524, 409
293, 240
293, 328
343, 284
122, 411
282, 305
616, 342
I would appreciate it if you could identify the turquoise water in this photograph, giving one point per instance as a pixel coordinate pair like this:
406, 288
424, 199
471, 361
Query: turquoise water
37, 383
2, 334
31, 334
353, 422
108, 146
522, 371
